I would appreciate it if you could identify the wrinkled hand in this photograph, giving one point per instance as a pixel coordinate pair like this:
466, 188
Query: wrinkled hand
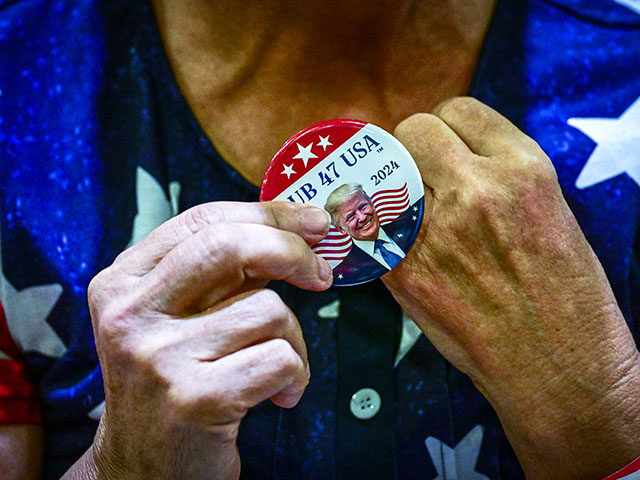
503, 282
189, 339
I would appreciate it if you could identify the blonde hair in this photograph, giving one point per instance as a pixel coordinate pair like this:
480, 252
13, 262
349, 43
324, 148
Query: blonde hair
340, 195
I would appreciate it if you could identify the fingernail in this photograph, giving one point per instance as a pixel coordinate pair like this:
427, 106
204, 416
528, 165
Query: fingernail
324, 270
316, 220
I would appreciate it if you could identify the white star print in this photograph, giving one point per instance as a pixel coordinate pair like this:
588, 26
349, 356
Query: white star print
96, 412
305, 153
330, 310
414, 218
630, 4
457, 463
26, 312
408, 338
415, 209
288, 170
618, 144
399, 235
324, 142
153, 206
340, 276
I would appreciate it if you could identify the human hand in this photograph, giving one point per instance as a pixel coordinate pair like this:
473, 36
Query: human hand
189, 339
504, 284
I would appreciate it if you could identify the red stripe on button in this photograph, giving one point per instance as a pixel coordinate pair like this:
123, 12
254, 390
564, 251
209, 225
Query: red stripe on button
628, 470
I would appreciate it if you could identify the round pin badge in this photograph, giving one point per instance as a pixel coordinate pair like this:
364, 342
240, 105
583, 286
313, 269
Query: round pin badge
369, 184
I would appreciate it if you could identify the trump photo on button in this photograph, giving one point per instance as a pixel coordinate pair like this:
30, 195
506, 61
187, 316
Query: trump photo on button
378, 248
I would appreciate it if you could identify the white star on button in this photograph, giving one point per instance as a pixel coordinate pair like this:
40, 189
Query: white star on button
324, 142
365, 403
305, 153
288, 170
618, 144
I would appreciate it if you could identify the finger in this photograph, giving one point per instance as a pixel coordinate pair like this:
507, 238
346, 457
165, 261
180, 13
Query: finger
241, 321
437, 150
217, 262
484, 130
311, 223
221, 392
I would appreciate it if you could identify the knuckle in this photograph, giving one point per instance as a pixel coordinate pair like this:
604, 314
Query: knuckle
285, 359
217, 246
458, 106
116, 328
99, 286
189, 403
94, 290
106, 287
113, 325
488, 200
533, 169
542, 169
527, 158
408, 127
277, 210
197, 217
277, 312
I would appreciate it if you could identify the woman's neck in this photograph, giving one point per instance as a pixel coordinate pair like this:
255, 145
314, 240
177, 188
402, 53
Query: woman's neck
254, 75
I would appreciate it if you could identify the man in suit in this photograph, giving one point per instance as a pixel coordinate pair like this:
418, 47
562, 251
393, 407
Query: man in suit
378, 248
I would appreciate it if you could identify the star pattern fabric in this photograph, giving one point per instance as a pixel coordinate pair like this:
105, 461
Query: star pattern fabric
153, 205
457, 463
125, 124
617, 146
26, 313
633, 5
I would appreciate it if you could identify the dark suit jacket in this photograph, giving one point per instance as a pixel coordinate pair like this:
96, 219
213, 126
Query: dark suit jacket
360, 267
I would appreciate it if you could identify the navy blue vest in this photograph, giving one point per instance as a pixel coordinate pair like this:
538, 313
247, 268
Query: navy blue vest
89, 107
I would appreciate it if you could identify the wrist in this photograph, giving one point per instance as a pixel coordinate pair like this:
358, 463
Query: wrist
94, 463
582, 423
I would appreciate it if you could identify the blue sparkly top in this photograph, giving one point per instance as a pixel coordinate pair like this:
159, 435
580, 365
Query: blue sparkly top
90, 115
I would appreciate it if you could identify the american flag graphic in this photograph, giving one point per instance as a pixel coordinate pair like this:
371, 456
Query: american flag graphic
335, 247
389, 205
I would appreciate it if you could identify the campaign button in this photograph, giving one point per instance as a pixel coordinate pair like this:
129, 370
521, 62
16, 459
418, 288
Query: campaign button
369, 184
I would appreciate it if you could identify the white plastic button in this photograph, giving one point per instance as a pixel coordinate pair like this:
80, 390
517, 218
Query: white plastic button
365, 403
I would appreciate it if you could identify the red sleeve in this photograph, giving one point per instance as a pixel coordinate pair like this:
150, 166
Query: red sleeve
19, 401
633, 467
